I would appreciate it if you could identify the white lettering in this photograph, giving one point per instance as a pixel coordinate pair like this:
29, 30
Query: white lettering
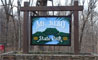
57, 23
51, 23
41, 38
40, 24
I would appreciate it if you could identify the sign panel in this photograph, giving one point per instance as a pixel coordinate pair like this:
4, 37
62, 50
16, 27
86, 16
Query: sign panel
2, 47
52, 30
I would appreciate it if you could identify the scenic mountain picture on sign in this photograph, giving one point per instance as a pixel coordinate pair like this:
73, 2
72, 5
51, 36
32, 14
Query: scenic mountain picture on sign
51, 30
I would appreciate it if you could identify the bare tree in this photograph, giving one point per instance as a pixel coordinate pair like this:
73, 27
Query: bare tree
8, 8
87, 20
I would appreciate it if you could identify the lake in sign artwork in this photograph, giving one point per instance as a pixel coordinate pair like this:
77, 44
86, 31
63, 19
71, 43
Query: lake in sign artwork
51, 30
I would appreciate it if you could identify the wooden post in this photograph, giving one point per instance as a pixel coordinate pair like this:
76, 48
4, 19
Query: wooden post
25, 30
76, 29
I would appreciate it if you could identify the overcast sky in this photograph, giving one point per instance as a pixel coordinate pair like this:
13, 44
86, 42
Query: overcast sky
55, 3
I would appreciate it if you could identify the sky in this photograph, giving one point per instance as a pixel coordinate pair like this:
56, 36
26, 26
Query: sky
62, 2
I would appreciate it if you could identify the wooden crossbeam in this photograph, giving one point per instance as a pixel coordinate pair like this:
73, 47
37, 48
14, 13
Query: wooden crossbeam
50, 8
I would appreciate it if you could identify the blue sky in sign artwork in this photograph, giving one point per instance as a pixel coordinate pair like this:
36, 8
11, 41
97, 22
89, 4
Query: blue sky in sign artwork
42, 23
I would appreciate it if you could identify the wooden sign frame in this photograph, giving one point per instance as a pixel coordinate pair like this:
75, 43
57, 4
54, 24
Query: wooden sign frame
75, 10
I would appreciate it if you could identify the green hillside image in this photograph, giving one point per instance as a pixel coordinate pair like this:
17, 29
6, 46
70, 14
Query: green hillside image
49, 33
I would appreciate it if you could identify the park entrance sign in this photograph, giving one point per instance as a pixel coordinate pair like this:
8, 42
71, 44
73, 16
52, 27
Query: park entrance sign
26, 27
52, 30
